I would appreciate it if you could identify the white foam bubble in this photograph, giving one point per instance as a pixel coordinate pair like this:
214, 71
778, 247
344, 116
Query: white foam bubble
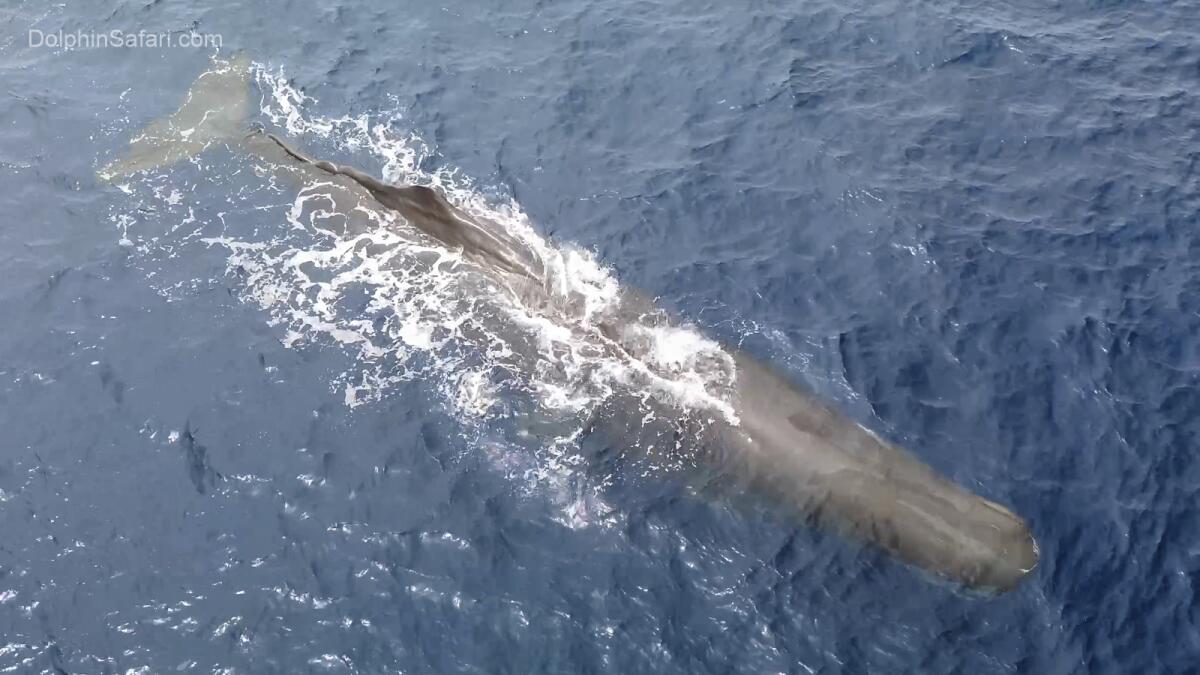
407, 308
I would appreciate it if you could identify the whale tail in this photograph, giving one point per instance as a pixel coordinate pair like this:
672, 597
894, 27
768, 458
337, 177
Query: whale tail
213, 111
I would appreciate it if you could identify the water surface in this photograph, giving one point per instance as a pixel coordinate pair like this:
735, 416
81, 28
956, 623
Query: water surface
971, 225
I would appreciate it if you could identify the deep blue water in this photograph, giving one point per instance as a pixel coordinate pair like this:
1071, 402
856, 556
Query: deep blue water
972, 225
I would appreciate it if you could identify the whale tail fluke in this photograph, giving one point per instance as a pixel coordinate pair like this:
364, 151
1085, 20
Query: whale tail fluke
213, 111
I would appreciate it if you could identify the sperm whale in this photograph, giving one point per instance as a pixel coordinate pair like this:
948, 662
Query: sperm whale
777, 440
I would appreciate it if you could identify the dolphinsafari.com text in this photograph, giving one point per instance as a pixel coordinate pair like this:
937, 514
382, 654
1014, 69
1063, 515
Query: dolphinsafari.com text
119, 39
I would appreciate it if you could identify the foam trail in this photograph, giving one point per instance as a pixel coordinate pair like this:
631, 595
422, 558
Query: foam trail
407, 308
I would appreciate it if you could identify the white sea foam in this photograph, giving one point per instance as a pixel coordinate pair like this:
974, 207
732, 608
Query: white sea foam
408, 308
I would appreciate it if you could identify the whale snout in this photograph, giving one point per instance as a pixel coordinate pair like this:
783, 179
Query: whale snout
1013, 551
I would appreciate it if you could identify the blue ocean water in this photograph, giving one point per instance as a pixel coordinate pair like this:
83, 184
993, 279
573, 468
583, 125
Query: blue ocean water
971, 225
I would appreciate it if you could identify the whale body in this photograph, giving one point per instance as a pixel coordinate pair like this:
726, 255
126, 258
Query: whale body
779, 441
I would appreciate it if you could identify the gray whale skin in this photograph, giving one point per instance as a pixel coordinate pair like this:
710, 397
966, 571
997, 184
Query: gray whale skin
797, 451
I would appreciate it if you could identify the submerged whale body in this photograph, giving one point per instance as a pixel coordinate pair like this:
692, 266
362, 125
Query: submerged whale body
775, 440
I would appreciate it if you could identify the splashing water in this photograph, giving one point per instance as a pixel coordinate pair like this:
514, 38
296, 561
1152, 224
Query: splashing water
408, 308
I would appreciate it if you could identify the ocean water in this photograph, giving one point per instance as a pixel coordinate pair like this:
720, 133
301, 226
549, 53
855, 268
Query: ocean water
233, 442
